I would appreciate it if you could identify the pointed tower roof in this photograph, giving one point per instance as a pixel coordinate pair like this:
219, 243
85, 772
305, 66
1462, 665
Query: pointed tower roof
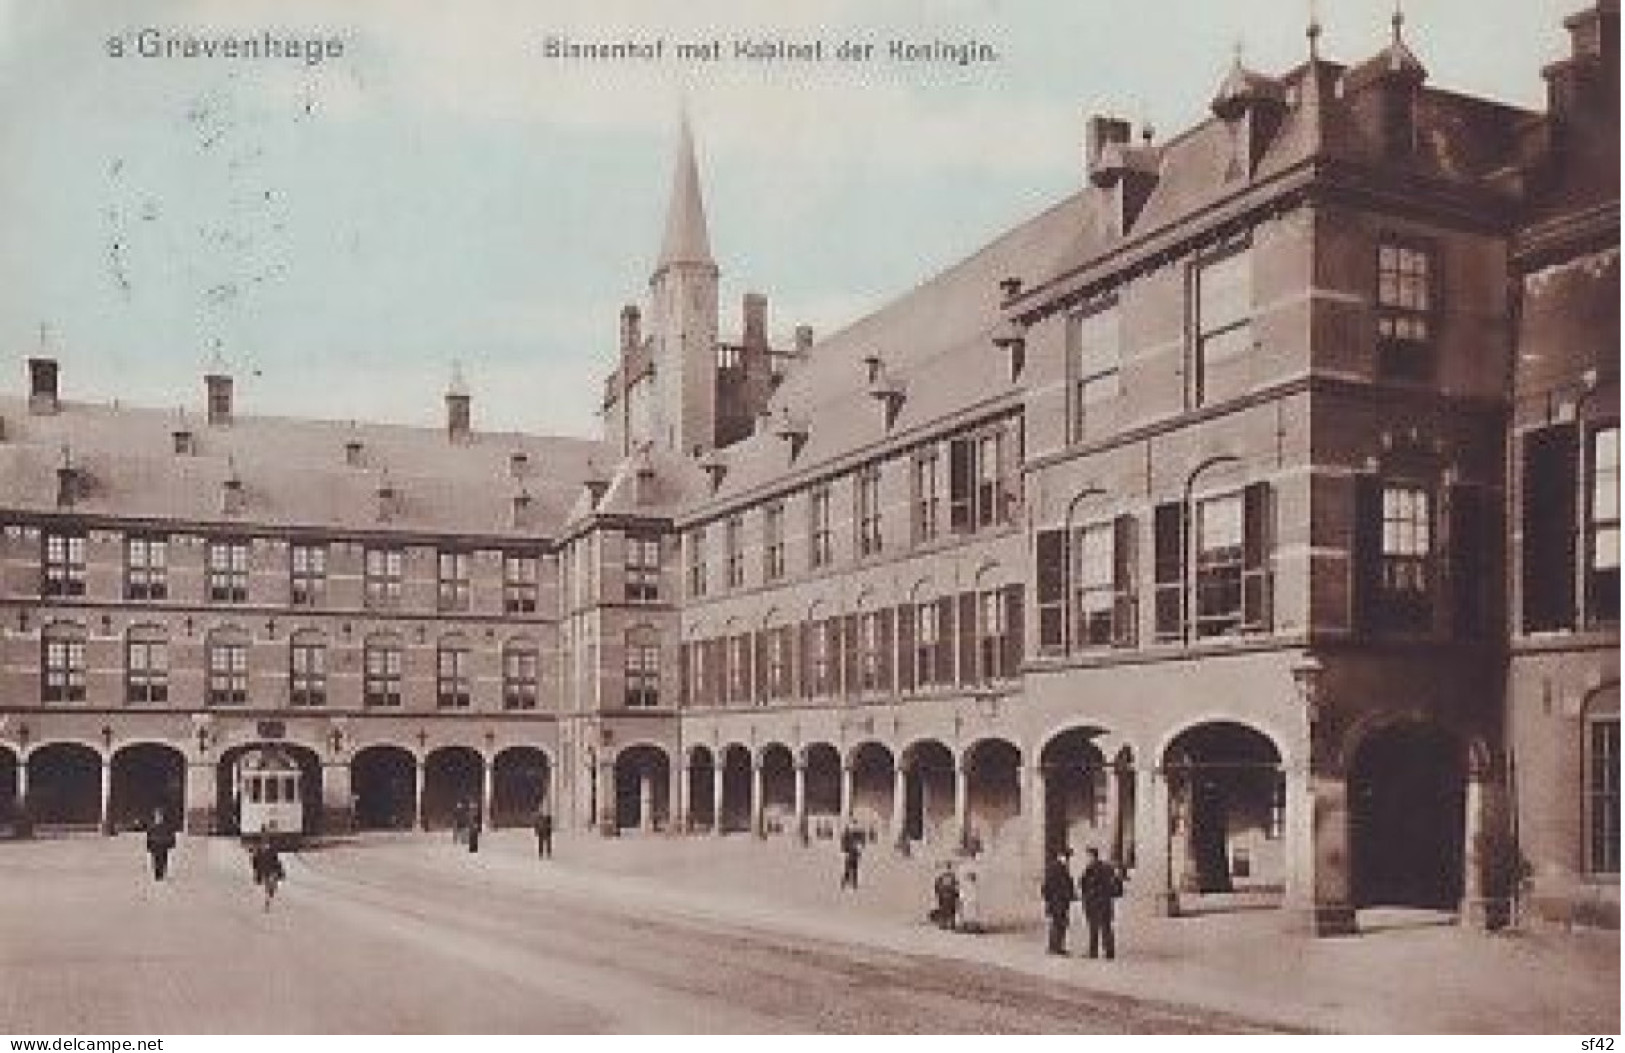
686, 237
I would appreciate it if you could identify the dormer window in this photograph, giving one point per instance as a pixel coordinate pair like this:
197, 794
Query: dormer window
353, 453
185, 443
518, 464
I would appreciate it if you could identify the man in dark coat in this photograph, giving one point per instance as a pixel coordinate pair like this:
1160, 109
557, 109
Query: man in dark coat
475, 820
1058, 892
851, 852
1098, 886
160, 840
544, 834
266, 865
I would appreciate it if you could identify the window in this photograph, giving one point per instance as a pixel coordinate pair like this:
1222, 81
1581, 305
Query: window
1602, 530
228, 668
1547, 478
1602, 795
642, 669
870, 649
146, 666
451, 674
977, 494
381, 672
1096, 362
989, 479
821, 680
819, 546
868, 493
696, 562
739, 668
928, 642
519, 665
307, 670
63, 669
1218, 565
453, 591
997, 613
733, 542
64, 564
1094, 585
226, 564
146, 568
1224, 306
307, 573
1407, 556
642, 568
778, 662
773, 541
520, 575
382, 577
1050, 574
927, 495
1404, 310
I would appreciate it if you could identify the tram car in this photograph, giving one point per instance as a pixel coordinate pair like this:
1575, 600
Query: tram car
270, 795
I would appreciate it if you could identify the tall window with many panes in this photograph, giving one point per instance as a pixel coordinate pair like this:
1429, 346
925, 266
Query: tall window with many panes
452, 689
146, 666
307, 573
1096, 338
62, 669
1602, 795
1405, 295
1224, 317
642, 568
733, 544
227, 658
927, 493
381, 672
453, 584
381, 577
820, 551
63, 564
869, 510
519, 665
1602, 527
642, 669
773, 541
226, 565
146, 567
521, 573
307, 670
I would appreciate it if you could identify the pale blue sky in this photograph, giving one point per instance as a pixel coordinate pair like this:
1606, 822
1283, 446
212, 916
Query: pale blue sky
343, 232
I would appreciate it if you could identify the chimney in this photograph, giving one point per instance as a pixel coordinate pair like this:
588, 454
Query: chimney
631, 329
42, 393
755, 334
804, 339
217, 389
1103, 134
459, 407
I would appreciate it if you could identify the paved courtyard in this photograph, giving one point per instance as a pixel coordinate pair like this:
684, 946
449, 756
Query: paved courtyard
412, 934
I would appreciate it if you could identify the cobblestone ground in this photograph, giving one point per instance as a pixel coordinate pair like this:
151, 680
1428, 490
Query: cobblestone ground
406, 935
704, 935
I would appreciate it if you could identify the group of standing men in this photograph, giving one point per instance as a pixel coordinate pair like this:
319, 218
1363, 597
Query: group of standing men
1097, 887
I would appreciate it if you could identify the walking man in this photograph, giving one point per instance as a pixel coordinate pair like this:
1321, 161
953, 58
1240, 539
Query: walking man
1058, 892
267, 866
1098, 886
160, 840
851, 852
475, 819
544, 834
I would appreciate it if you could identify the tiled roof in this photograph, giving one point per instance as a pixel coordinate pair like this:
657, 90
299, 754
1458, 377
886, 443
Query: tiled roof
294, 473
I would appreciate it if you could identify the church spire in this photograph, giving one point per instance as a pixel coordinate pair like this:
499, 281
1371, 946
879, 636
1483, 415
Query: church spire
686, 237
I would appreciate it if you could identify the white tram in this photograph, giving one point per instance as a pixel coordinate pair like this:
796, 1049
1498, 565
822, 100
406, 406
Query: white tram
270, 794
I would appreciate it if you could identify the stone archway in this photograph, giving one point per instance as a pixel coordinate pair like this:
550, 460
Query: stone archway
452, 776
874, 781
521, 780
65, 785
225, 774
929, 792
1227, 819
825, 807
8, 787
384, 781
1076, 790
778, 781
1407, 813
702, 803
642, 788
147, 777
737, 805
992, 793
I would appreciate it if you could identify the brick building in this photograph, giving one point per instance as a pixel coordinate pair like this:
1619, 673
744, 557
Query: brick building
1252, 514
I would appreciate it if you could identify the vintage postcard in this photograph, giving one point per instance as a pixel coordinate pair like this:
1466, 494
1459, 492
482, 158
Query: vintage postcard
985, 517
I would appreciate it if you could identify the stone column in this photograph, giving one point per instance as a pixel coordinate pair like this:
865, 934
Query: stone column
899, 803
1299, 841
200, 797
801, 799
718, 785
419, 774
1110, 802
608, 821
488, 793
1150, 887
680, 793
1333, 913
646, 801
338, 802
1035, 806
961, 829
848, 796
107, 794
756, 797
1486, 852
